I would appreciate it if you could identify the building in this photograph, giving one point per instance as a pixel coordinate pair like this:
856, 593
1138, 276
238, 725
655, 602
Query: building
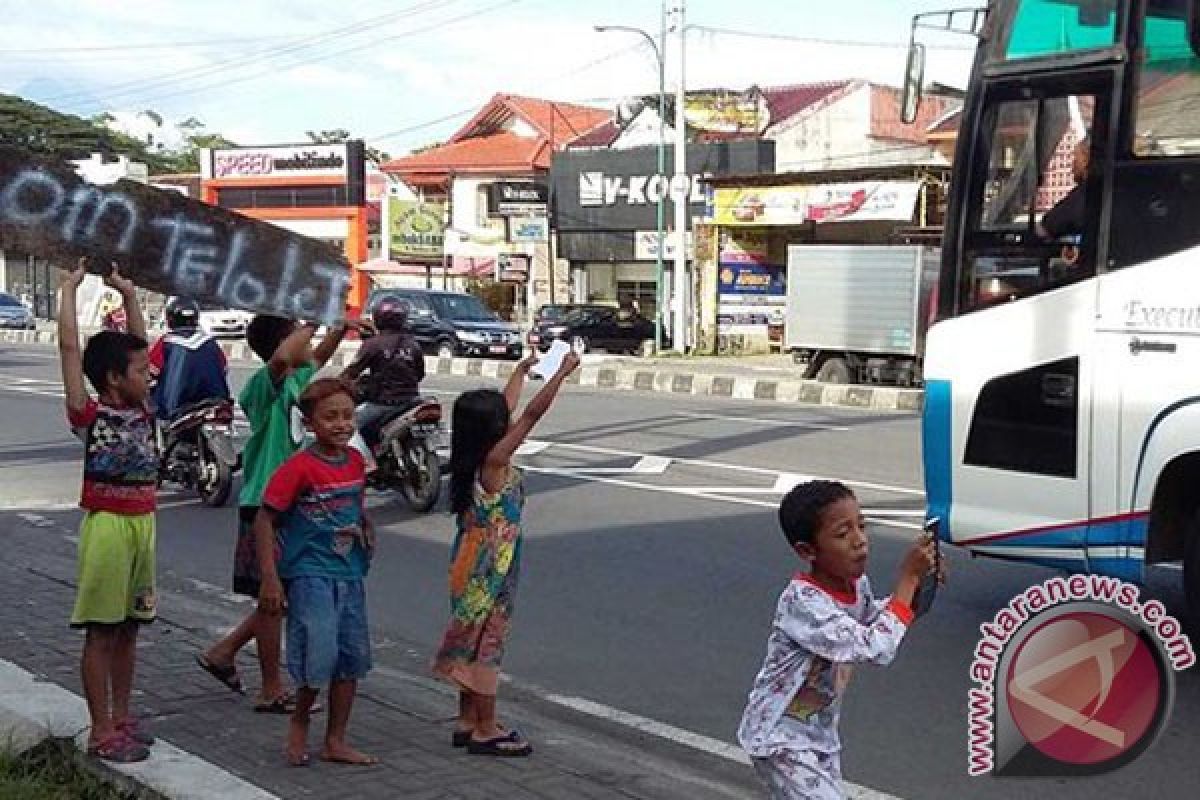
316, 190
488, 183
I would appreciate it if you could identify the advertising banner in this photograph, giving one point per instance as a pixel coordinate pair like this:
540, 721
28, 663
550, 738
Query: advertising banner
309, 160
744, 247
740, 281
834, 202
529, 230
166, 242
725, 111
645, 245
511, 198
415, 231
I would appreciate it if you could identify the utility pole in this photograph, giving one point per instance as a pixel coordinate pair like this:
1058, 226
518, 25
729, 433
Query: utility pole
681, 190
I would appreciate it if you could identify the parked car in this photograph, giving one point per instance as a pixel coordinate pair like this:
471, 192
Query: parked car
449, 324
595, 327
14, 313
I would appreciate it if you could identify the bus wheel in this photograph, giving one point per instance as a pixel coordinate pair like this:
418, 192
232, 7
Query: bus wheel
1191, 572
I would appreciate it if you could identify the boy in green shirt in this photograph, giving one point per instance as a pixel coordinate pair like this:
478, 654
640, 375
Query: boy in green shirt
276, 432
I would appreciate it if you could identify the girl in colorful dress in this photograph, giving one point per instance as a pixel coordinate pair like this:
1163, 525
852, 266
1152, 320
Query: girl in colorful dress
487, 494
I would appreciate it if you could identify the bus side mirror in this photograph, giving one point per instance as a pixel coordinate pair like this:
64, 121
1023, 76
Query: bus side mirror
914, 80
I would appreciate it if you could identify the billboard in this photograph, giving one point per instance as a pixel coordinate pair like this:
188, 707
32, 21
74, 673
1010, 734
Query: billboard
866, 201
416, 231
728, 112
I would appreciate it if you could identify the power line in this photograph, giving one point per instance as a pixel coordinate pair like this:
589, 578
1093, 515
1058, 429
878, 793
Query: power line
818, 40
141, 46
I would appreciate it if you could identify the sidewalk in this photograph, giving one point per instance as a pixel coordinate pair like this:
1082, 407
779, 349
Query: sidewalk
764, 378
400, 716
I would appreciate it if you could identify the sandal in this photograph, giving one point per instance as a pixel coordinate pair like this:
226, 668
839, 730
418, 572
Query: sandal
284, 704
225, 673
131, 728
119, 749
510, 745
461, 738
304, 760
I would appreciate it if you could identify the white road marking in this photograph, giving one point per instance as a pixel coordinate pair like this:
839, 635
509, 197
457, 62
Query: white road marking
195, 501
218, 591
37, 520
769, 422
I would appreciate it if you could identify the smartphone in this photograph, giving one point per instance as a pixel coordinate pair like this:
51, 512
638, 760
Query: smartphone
927, 590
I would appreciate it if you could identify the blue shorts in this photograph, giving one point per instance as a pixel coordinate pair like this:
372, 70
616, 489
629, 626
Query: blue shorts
327, 635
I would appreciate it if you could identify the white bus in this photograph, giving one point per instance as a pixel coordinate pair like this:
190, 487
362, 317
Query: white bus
1062, 410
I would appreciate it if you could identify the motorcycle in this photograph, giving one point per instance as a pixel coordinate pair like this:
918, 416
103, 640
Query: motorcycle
406, 457
197, 450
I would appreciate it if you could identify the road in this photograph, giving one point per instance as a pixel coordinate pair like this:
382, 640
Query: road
653, 562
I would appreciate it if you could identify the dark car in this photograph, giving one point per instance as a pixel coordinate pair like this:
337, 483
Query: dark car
449, 324
14, 313
595, 328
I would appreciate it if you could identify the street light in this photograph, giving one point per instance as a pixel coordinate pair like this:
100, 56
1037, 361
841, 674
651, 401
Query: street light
662, 168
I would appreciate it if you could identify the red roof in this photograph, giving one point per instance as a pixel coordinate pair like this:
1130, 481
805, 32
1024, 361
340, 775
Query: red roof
602, 136
485, 144
785, 102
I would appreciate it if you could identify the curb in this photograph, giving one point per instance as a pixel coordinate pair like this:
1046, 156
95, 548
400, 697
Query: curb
34, 710
630, 378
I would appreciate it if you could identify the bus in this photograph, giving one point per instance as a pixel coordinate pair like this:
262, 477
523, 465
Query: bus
1062, 400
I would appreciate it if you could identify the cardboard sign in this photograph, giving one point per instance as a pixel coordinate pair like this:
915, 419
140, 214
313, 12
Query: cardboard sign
168, 243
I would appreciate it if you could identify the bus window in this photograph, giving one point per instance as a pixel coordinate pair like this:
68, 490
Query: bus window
1049, 27
1030, 232
1168, 98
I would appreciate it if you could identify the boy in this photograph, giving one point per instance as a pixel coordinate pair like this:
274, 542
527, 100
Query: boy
268, 399
826, 620
115, 576
314, 505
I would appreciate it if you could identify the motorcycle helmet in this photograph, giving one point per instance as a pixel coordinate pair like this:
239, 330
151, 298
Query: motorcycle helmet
182, 312
391, 315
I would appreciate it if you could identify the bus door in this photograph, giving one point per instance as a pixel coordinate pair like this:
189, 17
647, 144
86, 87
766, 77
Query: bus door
1031, 232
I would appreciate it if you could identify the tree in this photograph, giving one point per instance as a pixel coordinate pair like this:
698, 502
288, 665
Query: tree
339, 135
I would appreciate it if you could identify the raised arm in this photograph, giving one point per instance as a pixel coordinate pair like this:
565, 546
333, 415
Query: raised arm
516, 382
329, 345
292, 351
133, 312
69, 353
502, 453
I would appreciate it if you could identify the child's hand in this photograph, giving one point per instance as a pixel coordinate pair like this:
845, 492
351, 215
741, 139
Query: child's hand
365, 328
570, 363
919, 560
527, 363
270, 597
123, 285
74, 277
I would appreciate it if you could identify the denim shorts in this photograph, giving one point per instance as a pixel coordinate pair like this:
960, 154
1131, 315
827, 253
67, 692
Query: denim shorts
327, 635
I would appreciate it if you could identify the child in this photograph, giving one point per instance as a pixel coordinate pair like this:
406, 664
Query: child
826, 620
486, 493
314, 503
268, 399
115, 591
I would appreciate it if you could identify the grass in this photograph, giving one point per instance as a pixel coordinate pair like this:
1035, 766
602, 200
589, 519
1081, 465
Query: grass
51, 771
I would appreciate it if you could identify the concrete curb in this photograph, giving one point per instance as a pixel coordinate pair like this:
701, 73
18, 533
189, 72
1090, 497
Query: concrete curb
32, 711
631, 377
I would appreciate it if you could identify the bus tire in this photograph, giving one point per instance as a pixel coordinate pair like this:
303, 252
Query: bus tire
1191, 572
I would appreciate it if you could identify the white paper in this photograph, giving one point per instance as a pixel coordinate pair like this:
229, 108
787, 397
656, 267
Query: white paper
548, 365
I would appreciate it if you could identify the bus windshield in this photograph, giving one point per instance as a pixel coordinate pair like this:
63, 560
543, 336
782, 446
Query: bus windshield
1036, 28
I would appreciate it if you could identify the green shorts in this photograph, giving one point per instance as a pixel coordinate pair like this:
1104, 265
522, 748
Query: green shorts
115, 575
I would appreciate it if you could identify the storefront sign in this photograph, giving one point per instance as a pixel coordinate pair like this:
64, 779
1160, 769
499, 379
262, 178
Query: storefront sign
512, 267
167, 242
742, 280
294, 161
529, 230
838, 202
508, 198
645, 245
725, 111
415, 231
744, 247
618, 190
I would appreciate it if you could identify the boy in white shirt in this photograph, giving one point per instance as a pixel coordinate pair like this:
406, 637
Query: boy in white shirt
827, 620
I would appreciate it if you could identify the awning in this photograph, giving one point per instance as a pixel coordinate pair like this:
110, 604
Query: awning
462, 266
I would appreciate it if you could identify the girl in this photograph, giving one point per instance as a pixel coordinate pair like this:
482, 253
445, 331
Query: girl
487, 494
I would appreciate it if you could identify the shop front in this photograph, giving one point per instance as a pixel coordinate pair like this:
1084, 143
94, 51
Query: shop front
742, 270
605, 212
317, 190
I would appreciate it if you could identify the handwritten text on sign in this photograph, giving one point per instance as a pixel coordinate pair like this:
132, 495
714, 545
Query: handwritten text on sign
168, 243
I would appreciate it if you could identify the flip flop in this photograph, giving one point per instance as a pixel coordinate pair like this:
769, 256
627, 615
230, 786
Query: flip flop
463, 738
305, 760
284, 704
119, 749
227, 674
506, 746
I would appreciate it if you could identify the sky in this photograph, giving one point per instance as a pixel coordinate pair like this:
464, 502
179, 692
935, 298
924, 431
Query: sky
406, 73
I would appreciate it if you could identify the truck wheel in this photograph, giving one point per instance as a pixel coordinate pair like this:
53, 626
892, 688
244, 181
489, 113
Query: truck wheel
834, 370
1191, 572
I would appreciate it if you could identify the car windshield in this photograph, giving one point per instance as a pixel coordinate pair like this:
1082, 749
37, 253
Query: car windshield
553, 313
9, 300
462, 306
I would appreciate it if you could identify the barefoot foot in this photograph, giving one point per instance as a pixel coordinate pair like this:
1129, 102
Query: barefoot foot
296, 751
345, 754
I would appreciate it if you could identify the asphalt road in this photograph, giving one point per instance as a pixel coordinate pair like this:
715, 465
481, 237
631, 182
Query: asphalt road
652, 565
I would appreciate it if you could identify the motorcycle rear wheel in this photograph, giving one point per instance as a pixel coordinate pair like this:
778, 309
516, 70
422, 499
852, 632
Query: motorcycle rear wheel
215, 482
423, 484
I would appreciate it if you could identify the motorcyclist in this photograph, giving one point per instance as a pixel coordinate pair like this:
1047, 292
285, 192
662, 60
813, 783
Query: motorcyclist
186, 364
388, 370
